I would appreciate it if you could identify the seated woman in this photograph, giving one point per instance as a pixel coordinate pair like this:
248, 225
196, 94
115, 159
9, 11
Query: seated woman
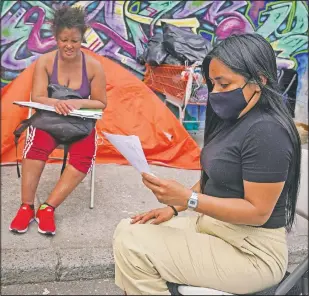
246, 196
70, 67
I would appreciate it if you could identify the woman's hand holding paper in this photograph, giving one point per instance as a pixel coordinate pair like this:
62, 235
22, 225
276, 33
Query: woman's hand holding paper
168, 192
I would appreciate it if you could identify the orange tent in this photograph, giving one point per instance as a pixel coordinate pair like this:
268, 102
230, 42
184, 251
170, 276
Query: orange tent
133, 109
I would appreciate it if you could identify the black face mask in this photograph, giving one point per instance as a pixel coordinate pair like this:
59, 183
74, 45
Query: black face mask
228, 105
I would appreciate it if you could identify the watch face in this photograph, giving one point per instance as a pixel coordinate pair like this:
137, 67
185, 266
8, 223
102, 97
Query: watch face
192, 203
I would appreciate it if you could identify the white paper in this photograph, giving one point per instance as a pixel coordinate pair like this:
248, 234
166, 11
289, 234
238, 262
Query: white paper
82, 113
131, 148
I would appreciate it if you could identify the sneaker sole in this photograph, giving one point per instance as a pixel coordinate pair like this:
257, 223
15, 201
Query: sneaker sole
44, 232
21, 231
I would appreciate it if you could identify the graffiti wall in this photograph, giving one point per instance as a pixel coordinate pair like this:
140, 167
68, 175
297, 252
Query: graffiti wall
120, 29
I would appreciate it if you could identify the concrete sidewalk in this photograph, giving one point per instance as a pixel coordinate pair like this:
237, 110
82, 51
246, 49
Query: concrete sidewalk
82, 246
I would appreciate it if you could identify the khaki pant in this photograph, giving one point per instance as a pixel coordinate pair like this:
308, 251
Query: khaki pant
198, 251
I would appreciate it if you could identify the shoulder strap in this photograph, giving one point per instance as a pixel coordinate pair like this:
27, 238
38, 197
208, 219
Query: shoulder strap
54, 75
84, 67
23, 125
85, 81
65, 156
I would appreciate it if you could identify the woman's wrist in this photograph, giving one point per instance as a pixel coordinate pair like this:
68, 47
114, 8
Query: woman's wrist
45, 100
174, 209
181, 208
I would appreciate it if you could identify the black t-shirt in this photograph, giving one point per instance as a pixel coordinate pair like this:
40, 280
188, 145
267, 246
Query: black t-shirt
254, 148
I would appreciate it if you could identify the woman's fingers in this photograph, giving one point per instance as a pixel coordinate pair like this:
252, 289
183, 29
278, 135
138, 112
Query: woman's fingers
71, 107
133, 221
159, 216
147, 217
57, 110
143, 218
62, 108
158, 220
139, 215
152, 179
136, 219
66, 108
152, 186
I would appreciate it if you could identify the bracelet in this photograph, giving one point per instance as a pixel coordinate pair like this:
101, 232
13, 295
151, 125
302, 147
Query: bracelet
174, 209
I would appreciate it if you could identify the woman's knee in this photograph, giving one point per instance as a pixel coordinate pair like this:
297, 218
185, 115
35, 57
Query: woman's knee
83, 153
130, 237
82, 164
123, 225
123, 240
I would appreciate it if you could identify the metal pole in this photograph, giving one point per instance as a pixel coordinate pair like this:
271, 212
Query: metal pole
293, 278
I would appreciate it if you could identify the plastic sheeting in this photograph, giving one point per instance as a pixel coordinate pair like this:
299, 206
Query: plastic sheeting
174, 46
185, 45
133, 109
155, 54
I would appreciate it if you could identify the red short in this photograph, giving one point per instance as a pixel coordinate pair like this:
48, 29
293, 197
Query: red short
40, 144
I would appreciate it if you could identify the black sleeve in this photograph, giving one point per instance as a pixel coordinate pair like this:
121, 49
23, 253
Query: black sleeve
266, 153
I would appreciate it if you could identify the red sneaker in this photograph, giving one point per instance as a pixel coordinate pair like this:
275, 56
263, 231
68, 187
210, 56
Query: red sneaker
45, 219
23, 218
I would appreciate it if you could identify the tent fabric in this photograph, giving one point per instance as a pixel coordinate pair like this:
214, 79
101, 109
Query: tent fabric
133, 109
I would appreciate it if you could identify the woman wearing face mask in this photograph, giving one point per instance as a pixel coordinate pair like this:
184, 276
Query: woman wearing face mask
70, 67
245, 200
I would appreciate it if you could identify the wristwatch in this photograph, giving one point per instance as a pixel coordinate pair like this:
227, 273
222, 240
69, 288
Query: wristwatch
193, 201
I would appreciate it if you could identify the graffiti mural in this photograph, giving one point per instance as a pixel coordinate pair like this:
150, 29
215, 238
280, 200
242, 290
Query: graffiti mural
120, 29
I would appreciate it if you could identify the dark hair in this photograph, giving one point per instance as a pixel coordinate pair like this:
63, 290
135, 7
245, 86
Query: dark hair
69, 17
251, 56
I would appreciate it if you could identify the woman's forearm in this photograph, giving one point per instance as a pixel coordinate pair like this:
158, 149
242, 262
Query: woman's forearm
230, 210
92, 104
45, 100
196, 188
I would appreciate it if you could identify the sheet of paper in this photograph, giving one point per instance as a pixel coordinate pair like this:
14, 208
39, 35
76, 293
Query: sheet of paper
83, 113
131, 148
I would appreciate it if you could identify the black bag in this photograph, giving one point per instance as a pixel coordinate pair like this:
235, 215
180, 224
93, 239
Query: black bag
170, 60
185, 45
155, 53
65, 129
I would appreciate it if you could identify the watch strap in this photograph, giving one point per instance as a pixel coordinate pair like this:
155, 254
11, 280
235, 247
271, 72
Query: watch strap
174, 209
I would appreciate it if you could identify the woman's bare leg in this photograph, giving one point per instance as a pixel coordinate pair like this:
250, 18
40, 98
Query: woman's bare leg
31, 173
70, 179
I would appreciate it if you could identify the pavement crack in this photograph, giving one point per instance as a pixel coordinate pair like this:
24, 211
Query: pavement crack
58, 266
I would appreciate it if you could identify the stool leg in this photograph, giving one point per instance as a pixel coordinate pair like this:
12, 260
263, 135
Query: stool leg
181, 115
92, 187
